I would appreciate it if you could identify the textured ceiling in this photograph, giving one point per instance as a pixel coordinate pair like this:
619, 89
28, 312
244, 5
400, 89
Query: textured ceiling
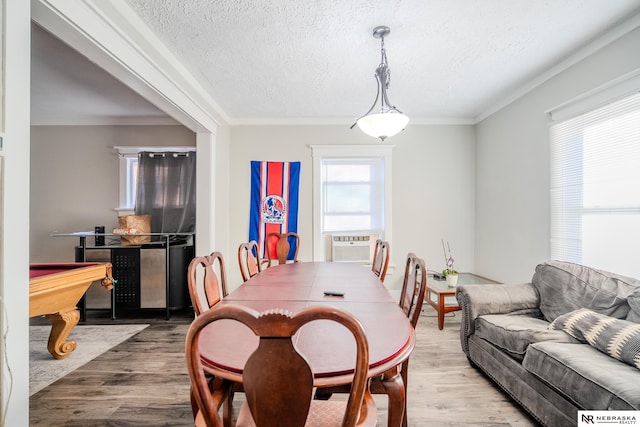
316, 58
287, 61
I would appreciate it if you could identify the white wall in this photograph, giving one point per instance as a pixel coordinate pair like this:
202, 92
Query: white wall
432, 187
74, 180
222, 194
212, 214
14, 256
512, 164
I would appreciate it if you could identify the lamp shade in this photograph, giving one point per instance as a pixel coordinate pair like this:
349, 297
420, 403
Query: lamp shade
383, 125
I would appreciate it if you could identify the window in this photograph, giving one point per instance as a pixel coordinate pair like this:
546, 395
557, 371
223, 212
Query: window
129, 172
352, 195
131, 180
351, 192
595, 187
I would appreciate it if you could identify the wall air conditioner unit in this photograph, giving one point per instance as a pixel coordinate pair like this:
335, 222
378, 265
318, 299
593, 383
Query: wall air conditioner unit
351, 248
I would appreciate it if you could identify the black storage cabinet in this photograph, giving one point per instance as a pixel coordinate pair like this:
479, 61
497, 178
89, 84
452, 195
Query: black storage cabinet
150, 276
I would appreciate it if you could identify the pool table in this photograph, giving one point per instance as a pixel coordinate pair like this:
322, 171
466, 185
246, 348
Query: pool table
54, 291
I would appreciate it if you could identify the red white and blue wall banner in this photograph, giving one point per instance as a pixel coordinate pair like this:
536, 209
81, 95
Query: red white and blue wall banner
274, 202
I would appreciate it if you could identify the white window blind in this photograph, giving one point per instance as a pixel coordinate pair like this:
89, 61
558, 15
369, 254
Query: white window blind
352, 194
595, 188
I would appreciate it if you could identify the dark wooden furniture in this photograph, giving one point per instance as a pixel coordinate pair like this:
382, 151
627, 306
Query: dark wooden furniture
329, 350
380, 261
54, 291
411, 299
277, 378
414, 288
211, 286
249, 259
279, 247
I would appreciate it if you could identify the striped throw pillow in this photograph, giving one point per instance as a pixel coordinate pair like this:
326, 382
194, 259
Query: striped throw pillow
618, 338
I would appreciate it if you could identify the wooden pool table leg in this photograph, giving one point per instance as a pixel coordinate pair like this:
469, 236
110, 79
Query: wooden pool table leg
61, 326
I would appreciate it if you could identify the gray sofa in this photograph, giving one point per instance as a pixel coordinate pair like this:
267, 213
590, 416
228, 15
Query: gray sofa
567, 341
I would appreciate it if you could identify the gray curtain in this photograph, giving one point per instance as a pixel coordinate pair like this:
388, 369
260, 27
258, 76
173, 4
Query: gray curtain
167, 191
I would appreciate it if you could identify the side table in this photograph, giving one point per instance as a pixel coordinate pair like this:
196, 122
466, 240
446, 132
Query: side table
438, 291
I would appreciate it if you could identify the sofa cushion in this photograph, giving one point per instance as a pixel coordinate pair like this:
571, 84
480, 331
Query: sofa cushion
617, 338
565, 287
586, 376
513, 333
634, 307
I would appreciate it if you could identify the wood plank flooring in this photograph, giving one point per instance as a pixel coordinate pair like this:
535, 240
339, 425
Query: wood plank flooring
143, 382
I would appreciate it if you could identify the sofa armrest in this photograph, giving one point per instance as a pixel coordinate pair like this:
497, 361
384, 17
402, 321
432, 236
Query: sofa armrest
478, 300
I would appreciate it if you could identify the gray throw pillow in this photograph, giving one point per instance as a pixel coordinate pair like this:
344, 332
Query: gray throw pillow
617, 338
564, 287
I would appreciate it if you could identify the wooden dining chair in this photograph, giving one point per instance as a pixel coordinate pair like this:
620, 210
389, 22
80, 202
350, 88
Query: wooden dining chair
249, 259
414, 287
206, 283
380, 259
280, 245
277, 379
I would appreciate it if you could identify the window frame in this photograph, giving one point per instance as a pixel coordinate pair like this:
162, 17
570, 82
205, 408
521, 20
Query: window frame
320, 152
126, 156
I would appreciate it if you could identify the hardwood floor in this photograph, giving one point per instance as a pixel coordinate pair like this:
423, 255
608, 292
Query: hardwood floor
143, 382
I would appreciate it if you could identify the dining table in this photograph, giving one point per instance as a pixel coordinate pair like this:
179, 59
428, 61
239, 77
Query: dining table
225, 345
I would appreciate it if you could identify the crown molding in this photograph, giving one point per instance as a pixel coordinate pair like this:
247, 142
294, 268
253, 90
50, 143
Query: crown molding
596, 44
341, 121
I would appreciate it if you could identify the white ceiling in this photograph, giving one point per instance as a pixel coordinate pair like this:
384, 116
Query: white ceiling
313, 61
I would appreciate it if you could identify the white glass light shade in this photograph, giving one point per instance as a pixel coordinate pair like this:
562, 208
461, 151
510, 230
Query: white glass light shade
383, 125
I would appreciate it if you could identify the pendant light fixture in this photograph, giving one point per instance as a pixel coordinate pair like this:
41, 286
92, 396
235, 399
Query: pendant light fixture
388, 120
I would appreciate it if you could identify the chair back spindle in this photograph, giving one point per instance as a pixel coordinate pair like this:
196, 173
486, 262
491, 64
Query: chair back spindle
414, 287
206, 283
249, 260
380, 259
278, 247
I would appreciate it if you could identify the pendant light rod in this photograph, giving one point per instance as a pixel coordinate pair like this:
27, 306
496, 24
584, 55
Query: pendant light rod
389, 120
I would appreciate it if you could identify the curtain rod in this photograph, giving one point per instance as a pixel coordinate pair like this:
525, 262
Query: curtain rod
128, 151
162, 154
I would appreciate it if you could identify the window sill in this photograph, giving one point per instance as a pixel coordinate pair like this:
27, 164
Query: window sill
124, 211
